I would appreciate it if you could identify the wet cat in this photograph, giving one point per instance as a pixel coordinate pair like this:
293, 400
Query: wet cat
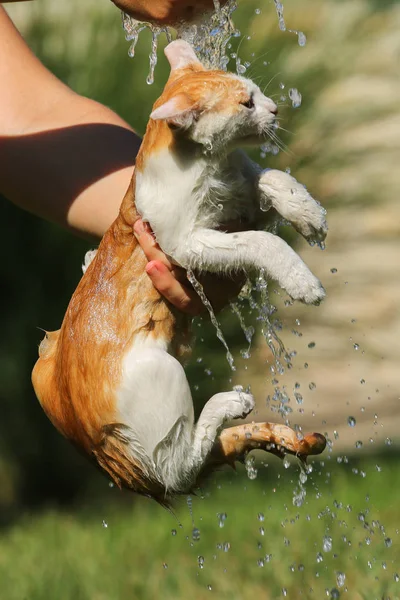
110, 379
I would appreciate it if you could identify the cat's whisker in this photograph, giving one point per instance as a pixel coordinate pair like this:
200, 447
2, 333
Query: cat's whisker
286, 130
270, 81
281, 145
255, 61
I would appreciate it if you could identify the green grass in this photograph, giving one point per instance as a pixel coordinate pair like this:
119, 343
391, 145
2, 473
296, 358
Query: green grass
73, 556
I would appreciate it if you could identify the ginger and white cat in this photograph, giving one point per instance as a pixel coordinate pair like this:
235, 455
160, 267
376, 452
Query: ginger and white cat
110, 379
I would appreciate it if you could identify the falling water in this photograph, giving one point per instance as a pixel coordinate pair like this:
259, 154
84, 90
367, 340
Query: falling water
301, 38
200, 291
210, 38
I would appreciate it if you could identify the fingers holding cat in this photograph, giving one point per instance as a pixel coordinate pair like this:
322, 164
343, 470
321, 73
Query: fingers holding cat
171, 281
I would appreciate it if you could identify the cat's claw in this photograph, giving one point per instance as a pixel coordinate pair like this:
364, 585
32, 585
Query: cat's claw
293, 202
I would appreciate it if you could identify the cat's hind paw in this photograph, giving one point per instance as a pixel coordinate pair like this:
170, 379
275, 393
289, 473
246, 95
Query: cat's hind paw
236, 404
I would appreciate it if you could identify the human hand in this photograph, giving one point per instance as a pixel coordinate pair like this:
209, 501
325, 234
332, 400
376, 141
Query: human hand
172, 282
164, 12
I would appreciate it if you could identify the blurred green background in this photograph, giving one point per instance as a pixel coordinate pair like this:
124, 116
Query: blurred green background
66, 534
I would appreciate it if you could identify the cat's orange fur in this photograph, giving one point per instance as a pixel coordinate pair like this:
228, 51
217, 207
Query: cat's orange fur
79, 366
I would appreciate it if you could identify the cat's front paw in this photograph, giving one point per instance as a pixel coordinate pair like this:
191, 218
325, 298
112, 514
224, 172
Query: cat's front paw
293, 202
307, 288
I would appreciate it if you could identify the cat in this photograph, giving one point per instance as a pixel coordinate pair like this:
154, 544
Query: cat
110, 379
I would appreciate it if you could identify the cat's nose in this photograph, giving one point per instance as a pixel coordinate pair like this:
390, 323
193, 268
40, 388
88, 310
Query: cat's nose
273, 109
270, 106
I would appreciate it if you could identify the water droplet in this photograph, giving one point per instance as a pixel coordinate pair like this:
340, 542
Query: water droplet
165, 565
388, 542
396, 577
173, 531
260, 517
286, 462
388, 442
356, 346
209, 588
298, 398
301, 38
333, 270
335, 594
340, 579
104, 524
351, 421
251, 470
279, 12
295, 97
327, 543
200, 560
260, 562
320, 558
195, 534
358, 444
221, 519
311, 345
312, 385
257, 11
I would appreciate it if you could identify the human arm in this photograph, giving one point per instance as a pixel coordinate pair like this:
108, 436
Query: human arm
64, 157
69, 160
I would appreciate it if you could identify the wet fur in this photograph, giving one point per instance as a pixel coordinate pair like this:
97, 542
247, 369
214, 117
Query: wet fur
111, 379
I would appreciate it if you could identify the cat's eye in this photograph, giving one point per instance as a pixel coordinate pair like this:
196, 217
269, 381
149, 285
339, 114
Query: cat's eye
249, 103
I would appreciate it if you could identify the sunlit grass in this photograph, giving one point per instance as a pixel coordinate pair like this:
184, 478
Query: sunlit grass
130, 550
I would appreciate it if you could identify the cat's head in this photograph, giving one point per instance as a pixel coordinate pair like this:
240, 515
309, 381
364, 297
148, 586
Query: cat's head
218, 110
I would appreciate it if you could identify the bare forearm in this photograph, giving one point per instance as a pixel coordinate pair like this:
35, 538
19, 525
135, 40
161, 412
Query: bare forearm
62, 156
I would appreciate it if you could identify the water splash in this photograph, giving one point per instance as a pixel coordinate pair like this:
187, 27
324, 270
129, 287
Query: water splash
248, 331
269, 329
301, 38
200, 291
211, 34
133, 29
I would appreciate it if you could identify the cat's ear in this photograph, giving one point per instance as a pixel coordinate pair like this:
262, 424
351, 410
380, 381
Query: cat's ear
180, 55
178, 111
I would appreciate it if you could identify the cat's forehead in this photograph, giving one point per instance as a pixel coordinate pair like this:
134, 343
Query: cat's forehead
205, 84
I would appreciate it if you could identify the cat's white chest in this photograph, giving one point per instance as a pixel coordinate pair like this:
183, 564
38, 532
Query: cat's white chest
164, 198
178, 197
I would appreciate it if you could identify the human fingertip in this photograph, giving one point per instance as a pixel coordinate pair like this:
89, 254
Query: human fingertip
155, 267
138, 228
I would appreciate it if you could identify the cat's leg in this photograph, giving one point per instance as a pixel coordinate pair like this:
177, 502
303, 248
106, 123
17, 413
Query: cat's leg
219, 409
219, 252
292, 201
